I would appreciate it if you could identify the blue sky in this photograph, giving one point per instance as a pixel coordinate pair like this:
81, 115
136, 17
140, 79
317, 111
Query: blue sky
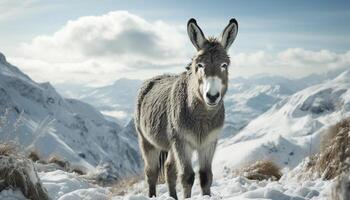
280, 24
264, 26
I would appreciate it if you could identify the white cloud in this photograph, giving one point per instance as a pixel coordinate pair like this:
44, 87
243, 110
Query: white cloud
292, 62
99, 49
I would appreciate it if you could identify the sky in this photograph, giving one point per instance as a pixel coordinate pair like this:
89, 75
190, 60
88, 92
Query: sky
97, 42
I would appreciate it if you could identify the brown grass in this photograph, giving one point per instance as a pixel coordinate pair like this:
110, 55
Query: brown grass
34, 156
59, 161
261, 170
332, 160
121, 188
16, 171
8, 148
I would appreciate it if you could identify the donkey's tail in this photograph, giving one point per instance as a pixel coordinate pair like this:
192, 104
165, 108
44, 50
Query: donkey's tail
162, 158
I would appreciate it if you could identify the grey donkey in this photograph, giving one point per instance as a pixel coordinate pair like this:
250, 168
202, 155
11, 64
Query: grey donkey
179, 114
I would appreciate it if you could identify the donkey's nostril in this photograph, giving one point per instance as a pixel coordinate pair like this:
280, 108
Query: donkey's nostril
212, 98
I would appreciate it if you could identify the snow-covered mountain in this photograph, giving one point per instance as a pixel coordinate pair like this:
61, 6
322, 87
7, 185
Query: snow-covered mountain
291, 129
116, 100
36, 116
247, 98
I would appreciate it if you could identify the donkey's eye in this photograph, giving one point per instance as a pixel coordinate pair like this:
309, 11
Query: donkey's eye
200, 65
224, 66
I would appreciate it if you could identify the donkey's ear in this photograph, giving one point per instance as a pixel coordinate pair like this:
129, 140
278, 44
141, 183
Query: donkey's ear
229, 34
196, 34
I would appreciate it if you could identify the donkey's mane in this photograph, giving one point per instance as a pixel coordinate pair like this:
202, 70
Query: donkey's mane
212, 43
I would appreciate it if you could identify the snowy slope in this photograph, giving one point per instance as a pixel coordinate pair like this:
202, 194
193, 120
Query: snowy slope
247, 98
291, 129
116, 100
246, 101
41, 120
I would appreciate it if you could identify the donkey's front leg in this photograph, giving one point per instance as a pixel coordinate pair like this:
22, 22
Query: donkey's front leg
183, 154
205, 157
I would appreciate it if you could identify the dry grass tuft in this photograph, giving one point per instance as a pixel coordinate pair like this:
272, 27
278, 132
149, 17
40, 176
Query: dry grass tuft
8, 148
261, 170
121, 188
34, 156
334, 156
18, 172
59, 161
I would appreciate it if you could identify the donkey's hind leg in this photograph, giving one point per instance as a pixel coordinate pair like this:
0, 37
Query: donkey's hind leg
150, 156
171, 176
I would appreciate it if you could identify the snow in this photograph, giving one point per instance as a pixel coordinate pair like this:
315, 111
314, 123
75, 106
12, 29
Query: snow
11, 195
116, 100
62, 185
41, 120
65, 186
291, 129
240, 188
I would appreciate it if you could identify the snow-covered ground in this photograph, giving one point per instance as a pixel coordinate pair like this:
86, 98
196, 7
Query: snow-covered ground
240, 188
66, 186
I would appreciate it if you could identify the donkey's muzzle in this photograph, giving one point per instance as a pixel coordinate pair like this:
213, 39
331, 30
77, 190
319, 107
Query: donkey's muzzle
212, 98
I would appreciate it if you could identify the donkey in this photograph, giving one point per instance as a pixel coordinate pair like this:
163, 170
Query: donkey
180, 114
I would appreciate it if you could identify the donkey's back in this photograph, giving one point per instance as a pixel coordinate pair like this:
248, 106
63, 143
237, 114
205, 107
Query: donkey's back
151, 116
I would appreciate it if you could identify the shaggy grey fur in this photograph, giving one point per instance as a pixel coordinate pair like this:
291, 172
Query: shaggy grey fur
172, 116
